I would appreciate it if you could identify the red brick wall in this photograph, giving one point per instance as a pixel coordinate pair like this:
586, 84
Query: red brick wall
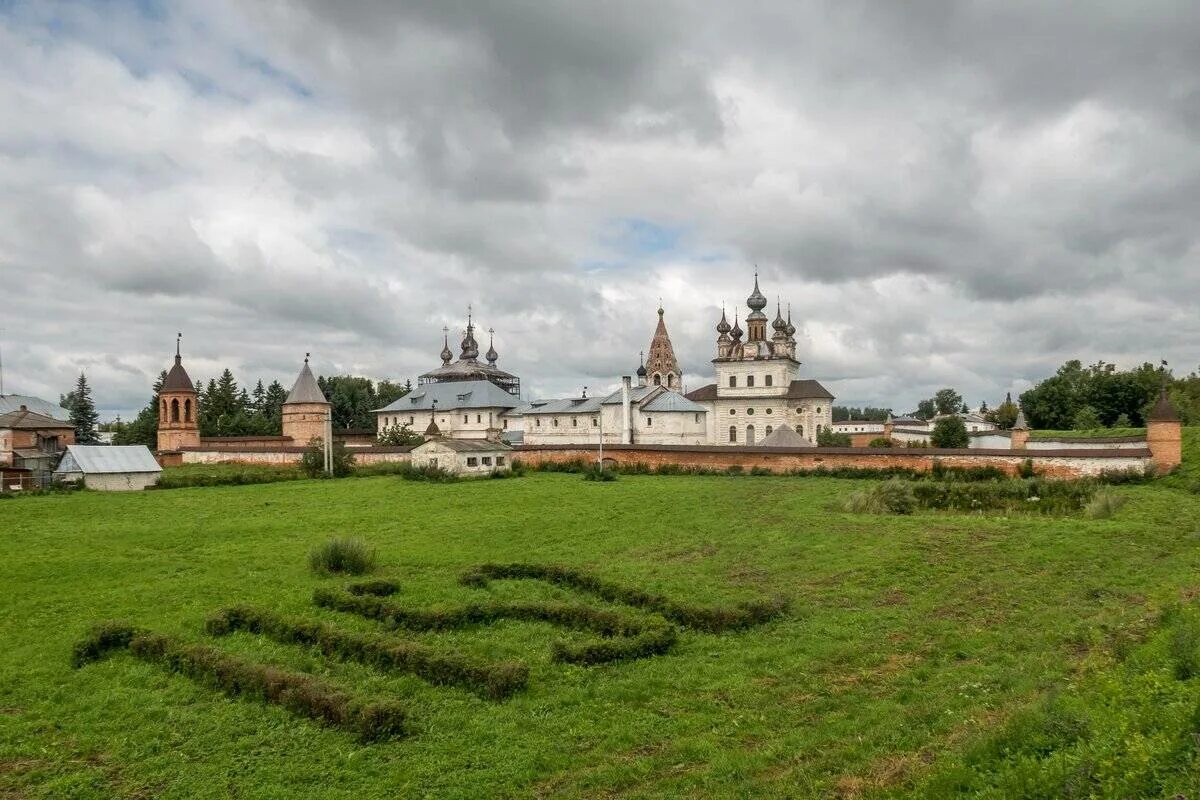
1050, 463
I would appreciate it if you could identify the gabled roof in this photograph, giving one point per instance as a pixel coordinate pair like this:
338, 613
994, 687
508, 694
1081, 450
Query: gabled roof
568, 405
306, 389
452, 396
105, 459
636, 395
807, 389
708, 392
13, 402
784, 436
672, 401
467, 445
30, 421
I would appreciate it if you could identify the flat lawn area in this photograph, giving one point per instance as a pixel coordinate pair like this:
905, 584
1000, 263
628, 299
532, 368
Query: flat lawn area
906, 636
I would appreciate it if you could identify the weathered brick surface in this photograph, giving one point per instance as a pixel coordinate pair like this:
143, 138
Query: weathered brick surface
1165, 440
1050, 463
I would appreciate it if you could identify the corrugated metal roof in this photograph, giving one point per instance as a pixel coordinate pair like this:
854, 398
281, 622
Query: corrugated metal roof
636, 395
568, 405
306, 389
13, 402
31, 421
453, 396
673, 401
784, 436
467, 445
102, 459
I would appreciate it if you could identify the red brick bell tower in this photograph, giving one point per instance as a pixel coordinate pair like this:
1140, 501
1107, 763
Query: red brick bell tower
178, 408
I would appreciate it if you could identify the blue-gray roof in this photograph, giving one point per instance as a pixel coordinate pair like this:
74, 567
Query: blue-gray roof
569, 405
106, 459
672, 401
636, 395
452, 396
13, 402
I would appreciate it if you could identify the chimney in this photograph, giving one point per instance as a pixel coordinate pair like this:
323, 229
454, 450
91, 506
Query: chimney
24, 407
626, 414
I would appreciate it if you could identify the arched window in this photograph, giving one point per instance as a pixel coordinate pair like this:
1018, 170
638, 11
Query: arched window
732, 433
175, 410
670, 380
800, 429
767, 379
750, 381
749, 434
187, 410
733, 381
164, 410
769, 429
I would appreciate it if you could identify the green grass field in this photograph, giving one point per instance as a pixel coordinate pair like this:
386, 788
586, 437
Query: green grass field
909, 641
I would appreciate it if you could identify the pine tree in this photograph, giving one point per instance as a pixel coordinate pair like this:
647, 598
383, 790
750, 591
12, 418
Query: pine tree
260, 396
83, 411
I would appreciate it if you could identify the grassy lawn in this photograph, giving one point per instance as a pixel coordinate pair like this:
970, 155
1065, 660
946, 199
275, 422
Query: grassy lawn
906, 637
1096, 433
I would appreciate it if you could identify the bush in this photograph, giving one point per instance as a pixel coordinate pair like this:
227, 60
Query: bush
299, 693
517, 468
707, 618
496, 680
224, 475
668, 469
344, 556
1025, 469
596, 472
760, 471
429, 473
734, 469
881, 441
893, 496
949, 432
378, 588
827, 438
312, 462
638, 639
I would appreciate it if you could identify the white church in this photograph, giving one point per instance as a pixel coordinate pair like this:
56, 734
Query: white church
759, 398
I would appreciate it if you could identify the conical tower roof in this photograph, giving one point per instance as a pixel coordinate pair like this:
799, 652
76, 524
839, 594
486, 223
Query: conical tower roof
1020, 424
662, 352
177, 379
1163, 411
305, 389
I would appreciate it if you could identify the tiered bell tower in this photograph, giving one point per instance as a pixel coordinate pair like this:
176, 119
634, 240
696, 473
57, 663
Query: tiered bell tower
178, 408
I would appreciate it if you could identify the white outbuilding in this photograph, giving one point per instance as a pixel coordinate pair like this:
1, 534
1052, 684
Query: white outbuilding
463, 456
109, 468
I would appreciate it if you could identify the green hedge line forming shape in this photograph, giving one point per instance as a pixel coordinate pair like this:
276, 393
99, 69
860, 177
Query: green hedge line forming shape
628, 638
712, 619
370, 720
494, 680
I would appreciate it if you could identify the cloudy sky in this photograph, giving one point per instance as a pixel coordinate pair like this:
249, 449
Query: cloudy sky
947, 193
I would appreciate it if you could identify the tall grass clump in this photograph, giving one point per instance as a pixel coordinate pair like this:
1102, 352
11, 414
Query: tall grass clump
1103, 504
596, 472
342, 556
893, 496
428, 473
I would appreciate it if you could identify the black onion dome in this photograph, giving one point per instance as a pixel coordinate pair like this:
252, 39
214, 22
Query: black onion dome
736, 330
723, 325
491, 354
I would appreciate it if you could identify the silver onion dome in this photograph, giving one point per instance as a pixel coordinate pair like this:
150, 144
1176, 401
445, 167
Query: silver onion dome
756, 300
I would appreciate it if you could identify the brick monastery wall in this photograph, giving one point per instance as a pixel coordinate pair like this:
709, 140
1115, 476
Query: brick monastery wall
1051, 463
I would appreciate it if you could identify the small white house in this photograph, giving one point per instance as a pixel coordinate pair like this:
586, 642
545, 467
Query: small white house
463, 456
109, 468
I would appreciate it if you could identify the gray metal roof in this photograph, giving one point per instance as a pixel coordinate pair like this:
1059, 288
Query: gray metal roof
306, 389
672, 401
467, 445
105, 459
453, 396
784, 436
568, 405
636, 395
31, 421
13, 402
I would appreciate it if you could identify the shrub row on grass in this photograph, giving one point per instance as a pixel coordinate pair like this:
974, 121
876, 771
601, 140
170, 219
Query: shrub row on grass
224, 475
625, 637
495, 680
1036, 495
939, 471
380, 587
706, 618
370, 720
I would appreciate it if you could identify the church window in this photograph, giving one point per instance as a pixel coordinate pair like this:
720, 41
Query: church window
174, 411
733, 381
732, 433
818, 409
187, 410
574, 422
505, 424
732, 412
657, 379
750, 381
595, 422
749, 434
464, 419
649, 422
767, 380
697, 418
750, 412
768, 411
411, 419
537, 421
164, 411
478, 418
670, 380
800, 429
769, 429
555, 422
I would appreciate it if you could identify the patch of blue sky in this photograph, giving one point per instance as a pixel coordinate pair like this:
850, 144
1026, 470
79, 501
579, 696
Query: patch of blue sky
641, 238
269, 70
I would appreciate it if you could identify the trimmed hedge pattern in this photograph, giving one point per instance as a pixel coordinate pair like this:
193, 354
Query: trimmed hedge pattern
493, 680
370, 720
379, 588
712, 619
626, 638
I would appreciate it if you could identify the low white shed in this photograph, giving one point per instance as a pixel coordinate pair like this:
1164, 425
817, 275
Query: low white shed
109, 468
463, 456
